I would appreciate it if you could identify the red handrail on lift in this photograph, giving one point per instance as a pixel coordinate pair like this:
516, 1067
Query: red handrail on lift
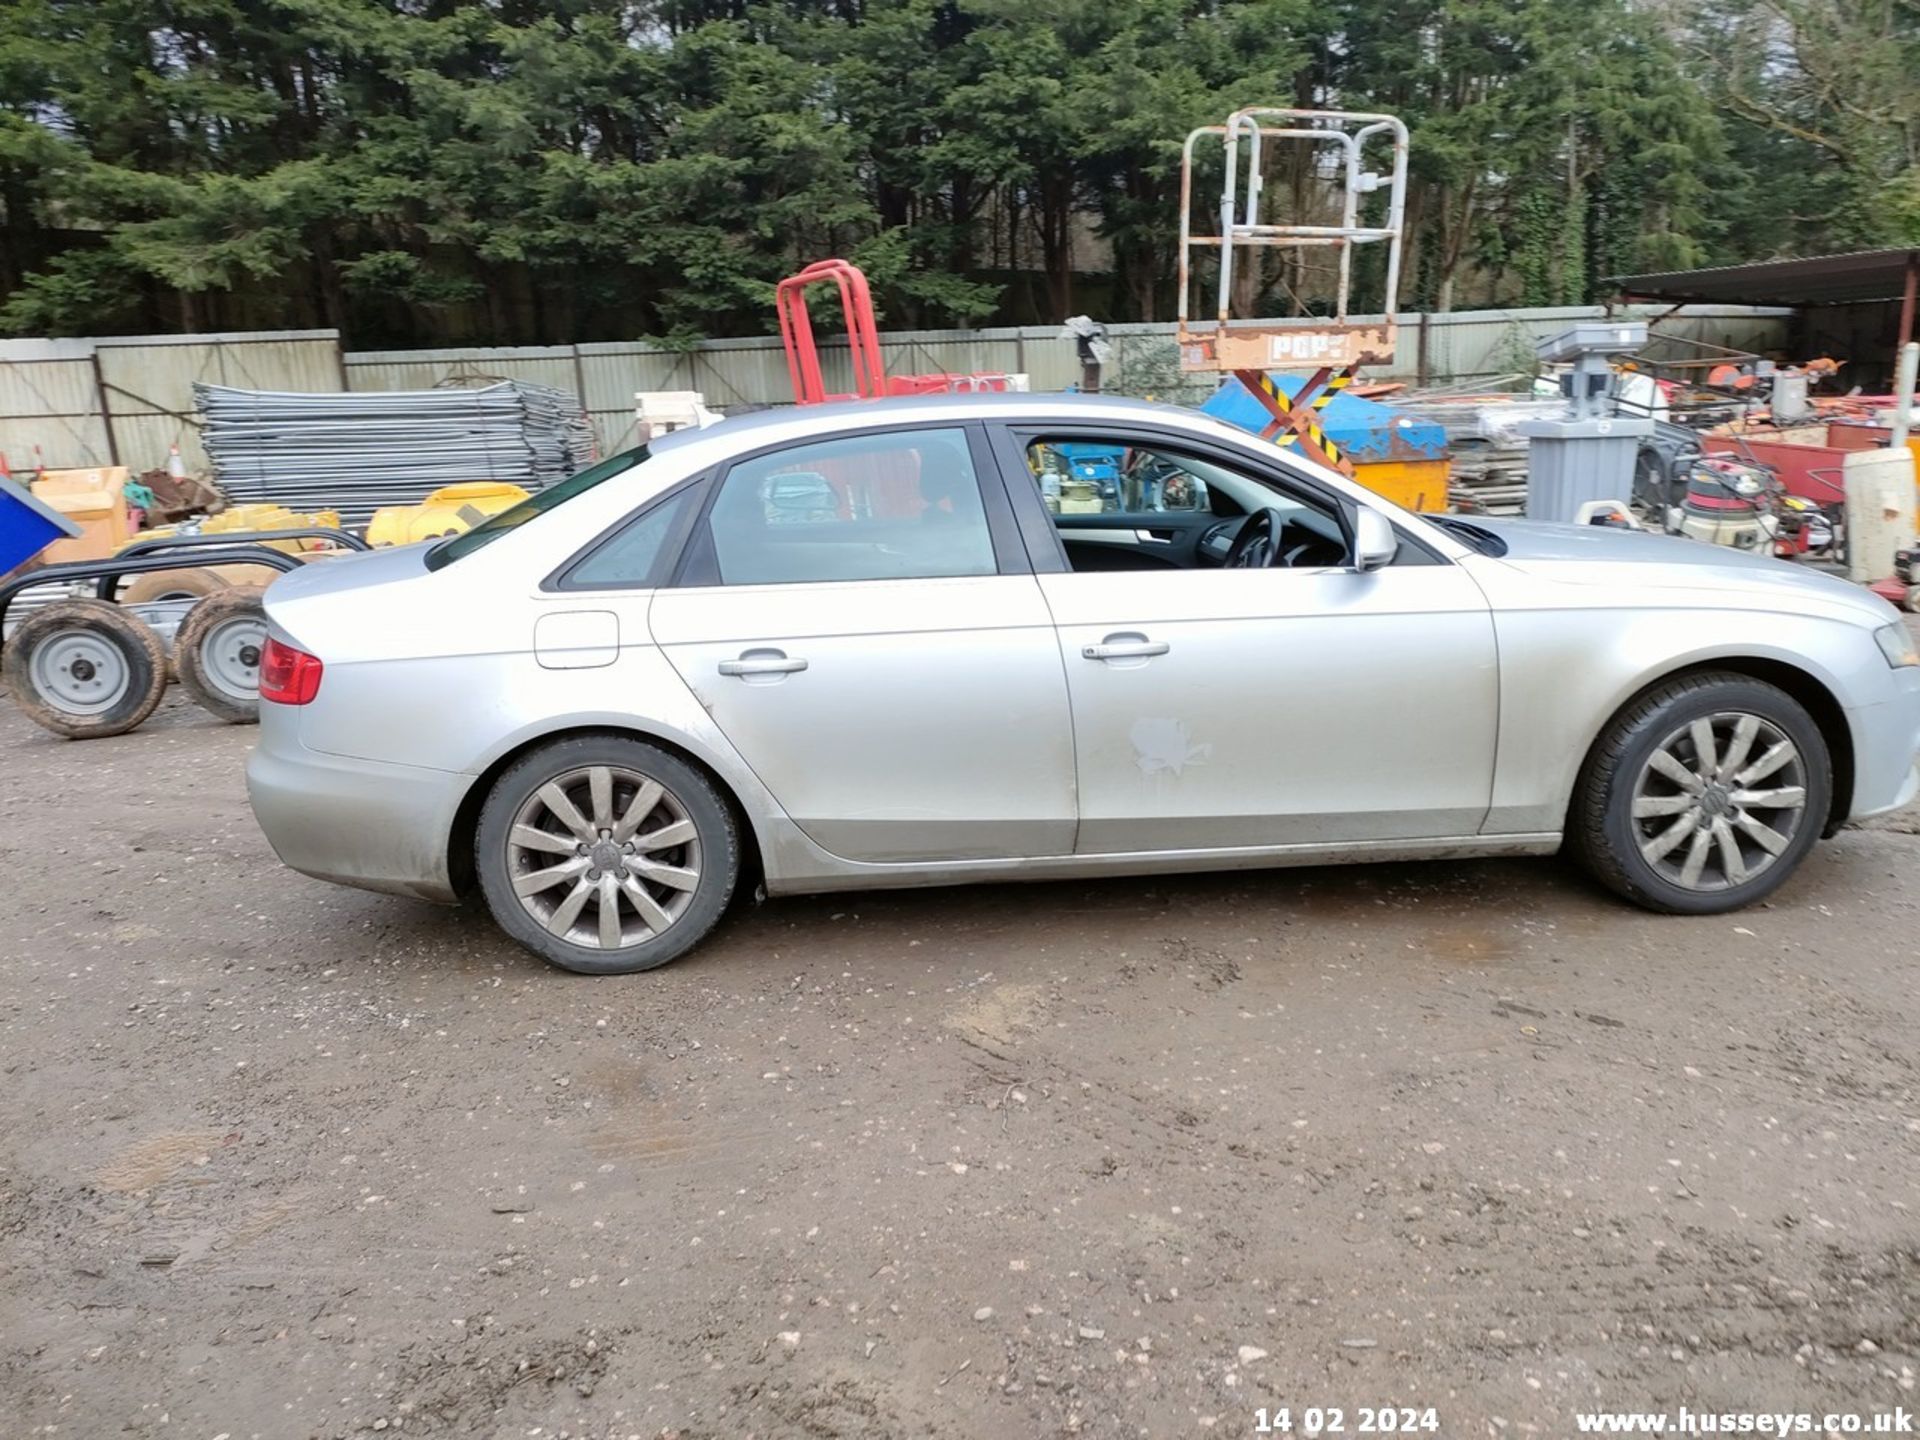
863, 335
870, 378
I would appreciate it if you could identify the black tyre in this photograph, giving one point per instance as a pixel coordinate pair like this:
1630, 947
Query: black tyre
1703, 795
605, 854
85, 668
216, 653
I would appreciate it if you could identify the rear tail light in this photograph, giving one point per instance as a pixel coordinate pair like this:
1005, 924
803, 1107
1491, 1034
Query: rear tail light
288, 676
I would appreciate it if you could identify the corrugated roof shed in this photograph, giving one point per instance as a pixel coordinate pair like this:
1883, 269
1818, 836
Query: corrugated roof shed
1861, 275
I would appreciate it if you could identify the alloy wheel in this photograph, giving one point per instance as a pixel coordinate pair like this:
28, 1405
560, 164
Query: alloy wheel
604, 857
1719, 800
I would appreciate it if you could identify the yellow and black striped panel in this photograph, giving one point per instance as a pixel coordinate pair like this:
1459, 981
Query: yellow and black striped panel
1324, 397
1317, 437
1335, 384
1326, 446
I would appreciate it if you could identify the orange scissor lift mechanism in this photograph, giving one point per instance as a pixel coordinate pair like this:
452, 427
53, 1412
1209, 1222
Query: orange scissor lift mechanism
870, 379
1331, 350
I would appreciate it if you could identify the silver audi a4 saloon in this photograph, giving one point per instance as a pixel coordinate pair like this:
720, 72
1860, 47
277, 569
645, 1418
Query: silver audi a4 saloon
953, 638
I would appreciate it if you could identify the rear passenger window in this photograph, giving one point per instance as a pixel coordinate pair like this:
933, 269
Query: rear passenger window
631, 557
866, 507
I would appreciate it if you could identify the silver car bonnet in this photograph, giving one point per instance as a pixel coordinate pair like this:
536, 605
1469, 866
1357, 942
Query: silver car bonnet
1604, 555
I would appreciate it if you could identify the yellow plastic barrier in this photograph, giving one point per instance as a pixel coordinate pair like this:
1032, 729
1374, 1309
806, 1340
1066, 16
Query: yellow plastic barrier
447, 511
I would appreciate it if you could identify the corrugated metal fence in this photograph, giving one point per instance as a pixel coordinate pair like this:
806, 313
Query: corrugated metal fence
125, 400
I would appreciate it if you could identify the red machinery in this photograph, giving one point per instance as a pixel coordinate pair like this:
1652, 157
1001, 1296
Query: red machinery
870, 379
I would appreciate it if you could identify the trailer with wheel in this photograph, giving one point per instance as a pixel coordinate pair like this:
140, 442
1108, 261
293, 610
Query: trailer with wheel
82, 663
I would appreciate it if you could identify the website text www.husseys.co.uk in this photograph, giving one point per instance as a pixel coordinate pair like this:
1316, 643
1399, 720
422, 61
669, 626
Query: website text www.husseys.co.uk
1897, 1421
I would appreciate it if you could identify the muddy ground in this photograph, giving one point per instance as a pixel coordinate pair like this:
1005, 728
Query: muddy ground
279, 1159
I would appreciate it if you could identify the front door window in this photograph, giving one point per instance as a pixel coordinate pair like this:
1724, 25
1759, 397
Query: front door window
1122, 505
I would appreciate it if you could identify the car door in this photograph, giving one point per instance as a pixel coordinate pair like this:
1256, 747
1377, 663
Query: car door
1232, 707
860, 619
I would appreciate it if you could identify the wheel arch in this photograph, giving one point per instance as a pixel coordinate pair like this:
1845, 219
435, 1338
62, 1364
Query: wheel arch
466, 816
1811, 692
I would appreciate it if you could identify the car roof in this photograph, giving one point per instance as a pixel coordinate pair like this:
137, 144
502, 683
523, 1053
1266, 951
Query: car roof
798, 421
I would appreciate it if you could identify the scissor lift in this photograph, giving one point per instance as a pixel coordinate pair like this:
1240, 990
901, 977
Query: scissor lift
1331, 350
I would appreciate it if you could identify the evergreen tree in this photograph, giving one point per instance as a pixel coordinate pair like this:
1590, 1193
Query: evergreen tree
415, 171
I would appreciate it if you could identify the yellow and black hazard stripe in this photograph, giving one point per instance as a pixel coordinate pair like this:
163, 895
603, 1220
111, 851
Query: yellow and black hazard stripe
1335, 384
1318, 439
1316, 436
1323, 398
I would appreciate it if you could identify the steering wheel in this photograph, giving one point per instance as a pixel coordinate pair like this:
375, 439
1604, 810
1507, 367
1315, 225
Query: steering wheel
1256, 546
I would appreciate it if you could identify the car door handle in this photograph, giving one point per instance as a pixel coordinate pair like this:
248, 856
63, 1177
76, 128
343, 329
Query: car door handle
1119, 648
762, 662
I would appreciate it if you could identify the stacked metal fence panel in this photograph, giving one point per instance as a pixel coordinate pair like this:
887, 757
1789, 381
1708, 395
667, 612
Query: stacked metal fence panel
355, 451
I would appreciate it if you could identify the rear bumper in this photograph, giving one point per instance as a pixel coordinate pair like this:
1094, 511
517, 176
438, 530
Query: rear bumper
354, 822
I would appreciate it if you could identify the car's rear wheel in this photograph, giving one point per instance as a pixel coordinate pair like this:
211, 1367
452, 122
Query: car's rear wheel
1704, 795
606, 855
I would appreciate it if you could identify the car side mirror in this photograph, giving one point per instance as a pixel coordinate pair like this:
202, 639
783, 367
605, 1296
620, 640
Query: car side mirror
1374, 541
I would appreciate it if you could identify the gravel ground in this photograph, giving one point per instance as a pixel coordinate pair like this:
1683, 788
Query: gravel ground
1121, 1158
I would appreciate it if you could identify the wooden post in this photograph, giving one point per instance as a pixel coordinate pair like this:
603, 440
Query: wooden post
1907, 300
106, 410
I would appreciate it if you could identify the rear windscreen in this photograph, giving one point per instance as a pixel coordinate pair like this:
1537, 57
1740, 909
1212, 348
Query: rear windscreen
494, 526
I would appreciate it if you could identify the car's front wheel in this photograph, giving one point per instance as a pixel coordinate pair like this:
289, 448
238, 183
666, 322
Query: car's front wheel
605, 854
1704, 795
